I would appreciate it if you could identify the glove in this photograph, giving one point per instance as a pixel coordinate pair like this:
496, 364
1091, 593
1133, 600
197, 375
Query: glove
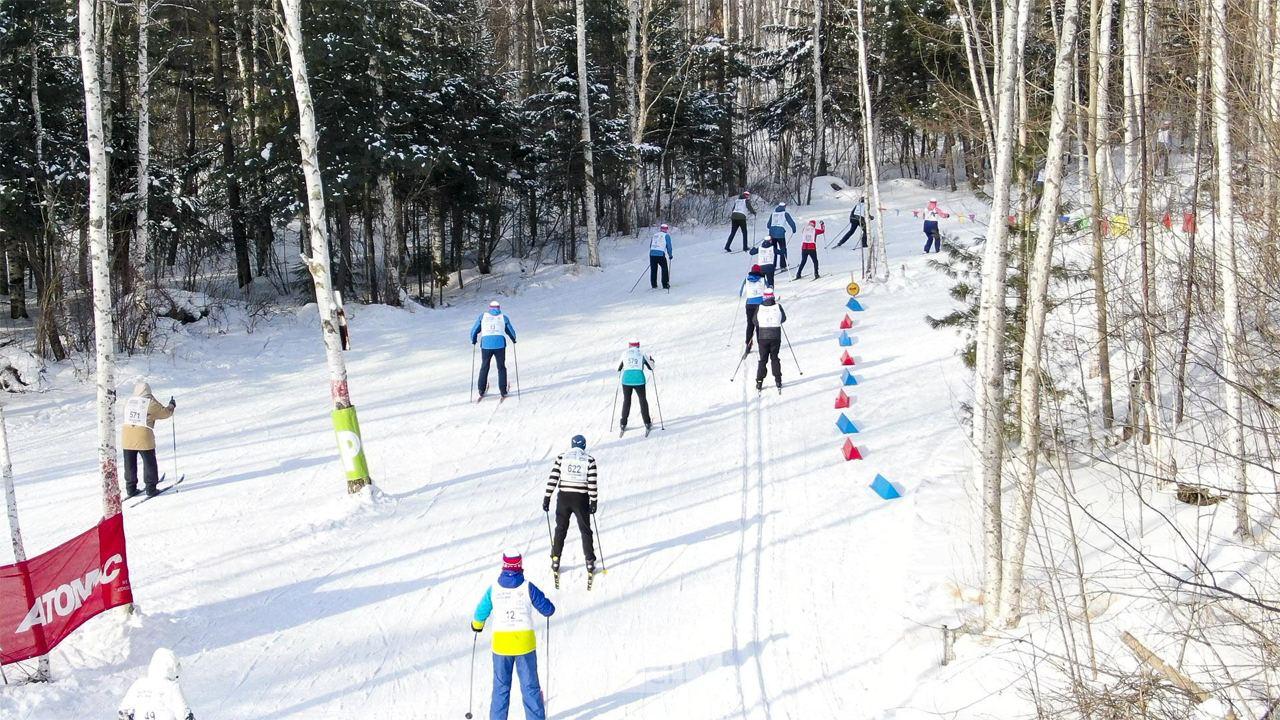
172, 403
546, 504
592, 508
477, 626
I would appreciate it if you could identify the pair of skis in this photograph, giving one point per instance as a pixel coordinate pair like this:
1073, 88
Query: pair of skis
161, 488
555, 574
501, 399
647, 429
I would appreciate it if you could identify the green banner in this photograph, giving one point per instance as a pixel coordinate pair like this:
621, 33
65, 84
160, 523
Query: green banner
347, 429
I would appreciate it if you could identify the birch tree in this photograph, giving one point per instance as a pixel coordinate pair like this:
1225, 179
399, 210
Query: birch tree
588, 163
877, 263
1037, 309
15, 535
142, 232
1225, 240
319, 260
1099, 65
819, 98
104, 328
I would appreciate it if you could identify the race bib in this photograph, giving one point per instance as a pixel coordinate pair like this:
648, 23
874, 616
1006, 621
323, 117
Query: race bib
632, 360
659, 242
493, 324
766, 256
770, 316
135, 411
511, 609
754, 289
574, 467
779, 219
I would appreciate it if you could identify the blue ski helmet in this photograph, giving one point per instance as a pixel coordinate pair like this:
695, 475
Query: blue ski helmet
579, 442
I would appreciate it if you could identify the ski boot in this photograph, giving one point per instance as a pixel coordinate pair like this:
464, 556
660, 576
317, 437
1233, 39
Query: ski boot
648, 428
555, 570
759, 385
622, 430
591, 573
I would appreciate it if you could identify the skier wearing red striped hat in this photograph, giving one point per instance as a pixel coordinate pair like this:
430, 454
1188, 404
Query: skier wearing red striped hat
659, 253
489, 329
510, 602
632, 367
769, 321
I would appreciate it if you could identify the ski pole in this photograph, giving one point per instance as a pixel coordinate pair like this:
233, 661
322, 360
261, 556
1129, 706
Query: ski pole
739, 366
515, 355
614, 411
471, 381
173, 431
637, 282
657, 397
550, 539
670, 264
471, 691
793, 351
604, 566
832, 242
732, 326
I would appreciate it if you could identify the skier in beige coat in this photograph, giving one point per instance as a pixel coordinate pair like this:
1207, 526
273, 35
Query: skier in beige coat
138, 439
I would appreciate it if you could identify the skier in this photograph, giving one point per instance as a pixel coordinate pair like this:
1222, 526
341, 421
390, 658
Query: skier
857, 219
753, 287
510, 602
778, 223
769, 321
765, 257
157, 696
632, 368
659, 253
809, 246
138, 438
741, 206
932, 236
489, 328
575, 475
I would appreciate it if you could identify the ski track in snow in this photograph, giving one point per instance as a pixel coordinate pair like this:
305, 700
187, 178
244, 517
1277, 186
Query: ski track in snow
750, 572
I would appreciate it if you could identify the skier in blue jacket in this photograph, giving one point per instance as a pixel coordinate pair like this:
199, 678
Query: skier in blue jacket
659, 253
766, 256
753, 288
510, 603
778, 223
489, 330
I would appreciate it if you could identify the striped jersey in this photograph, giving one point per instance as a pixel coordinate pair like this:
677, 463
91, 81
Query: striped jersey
575, 472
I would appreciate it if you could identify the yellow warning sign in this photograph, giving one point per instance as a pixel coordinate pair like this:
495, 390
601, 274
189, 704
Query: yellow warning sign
853, 289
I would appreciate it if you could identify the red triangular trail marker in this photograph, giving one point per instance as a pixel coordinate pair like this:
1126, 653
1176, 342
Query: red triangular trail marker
851, 451
842, 400
846, 323
845, 359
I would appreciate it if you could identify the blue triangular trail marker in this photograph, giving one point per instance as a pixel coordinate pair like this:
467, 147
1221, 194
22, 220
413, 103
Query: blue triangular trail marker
854, 305
845, 340
884, 488
846, 425
849, 379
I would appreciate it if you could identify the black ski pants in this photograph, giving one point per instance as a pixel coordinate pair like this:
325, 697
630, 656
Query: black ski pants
150, 472
487, 356
805, 255
769, 350
739, 223
655, 262
767, 271
854, 224
780, 246
752, 311
626, 403
574, 504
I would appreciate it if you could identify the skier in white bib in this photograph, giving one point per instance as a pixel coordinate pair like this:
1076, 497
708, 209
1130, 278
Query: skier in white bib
659, 253
138, 438
511, 602
632, 366
769, 339
779, 221
574, 475
741, 206
157, 696
490, 329
766, 256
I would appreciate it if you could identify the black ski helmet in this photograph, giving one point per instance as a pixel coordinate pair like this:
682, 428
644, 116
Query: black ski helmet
579, 442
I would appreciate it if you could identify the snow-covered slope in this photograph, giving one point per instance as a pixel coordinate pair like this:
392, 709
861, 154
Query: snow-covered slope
752, 573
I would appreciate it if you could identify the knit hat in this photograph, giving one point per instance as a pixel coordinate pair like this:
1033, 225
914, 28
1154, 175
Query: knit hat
813, 223
512, 561
768, 293
663, 227
495, 305
579, 442
755, 270
633, 342
746, 193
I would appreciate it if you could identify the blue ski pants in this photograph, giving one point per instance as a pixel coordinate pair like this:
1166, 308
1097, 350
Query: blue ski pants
487, 356
504, 668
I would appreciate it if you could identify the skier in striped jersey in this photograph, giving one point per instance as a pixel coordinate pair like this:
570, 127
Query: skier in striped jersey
574, 474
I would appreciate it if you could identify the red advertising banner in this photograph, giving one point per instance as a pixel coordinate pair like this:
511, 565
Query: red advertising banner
44, 599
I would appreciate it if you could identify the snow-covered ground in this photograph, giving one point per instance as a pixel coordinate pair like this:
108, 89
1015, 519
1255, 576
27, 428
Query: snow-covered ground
752, 573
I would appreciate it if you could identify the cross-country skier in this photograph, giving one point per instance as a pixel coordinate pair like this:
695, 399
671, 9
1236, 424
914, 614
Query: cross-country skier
575, 475
511, 602
490, 328
809, 246
766, 255
857, 219
157, 696
778, 223
753, 288
632, 367
932, 236
769, 321
741, 206
659, 253
138, 438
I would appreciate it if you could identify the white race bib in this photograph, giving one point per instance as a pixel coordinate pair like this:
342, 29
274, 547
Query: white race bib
740, 206
808, 234
753, 289
632, 359
573, 467
779, 219
135, 411
766, 255
493, 324
659, 242
770, 316
512, 611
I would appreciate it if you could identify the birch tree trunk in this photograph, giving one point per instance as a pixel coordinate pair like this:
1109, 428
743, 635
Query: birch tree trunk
1226, 256
319, 261
1099, 52
632, 195
877, 261
1037, 309
15, 535
142, 231
588, 163
819, 119
988, 412
104, 328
